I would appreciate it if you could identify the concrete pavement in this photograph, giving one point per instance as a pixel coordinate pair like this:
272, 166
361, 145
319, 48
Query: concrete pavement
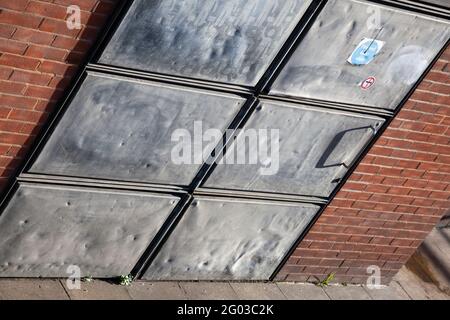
405, 286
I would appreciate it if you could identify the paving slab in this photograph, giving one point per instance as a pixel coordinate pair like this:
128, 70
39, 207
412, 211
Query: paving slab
296, 291
418, 289
156, 291
31, 289
208, 290
258, 291
347, 293
98, 290
392, 292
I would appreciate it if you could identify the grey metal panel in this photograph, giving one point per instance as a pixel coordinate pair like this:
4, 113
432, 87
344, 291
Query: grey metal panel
45, 229
228, 41
316, 148
319, 69
224, 239
119, 129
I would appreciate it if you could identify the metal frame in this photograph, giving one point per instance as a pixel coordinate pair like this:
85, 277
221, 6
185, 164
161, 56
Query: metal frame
252, 94
158, 241
261, 195
417, 7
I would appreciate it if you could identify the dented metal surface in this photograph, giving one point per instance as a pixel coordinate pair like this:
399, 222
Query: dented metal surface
225, 239
45, 229
122, 130
227, 41
319, 69
316, 148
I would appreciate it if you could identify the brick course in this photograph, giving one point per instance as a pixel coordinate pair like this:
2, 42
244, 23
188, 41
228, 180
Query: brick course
390, 203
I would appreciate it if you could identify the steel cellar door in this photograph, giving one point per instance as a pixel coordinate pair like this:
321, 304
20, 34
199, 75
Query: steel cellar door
102, 191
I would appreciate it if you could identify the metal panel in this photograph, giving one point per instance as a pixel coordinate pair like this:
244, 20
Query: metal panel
224, 239
44, 230
315, 150
227, 41
119, 129
319, 68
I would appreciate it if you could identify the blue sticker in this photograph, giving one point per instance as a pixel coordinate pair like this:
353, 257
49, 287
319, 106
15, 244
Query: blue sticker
365, 52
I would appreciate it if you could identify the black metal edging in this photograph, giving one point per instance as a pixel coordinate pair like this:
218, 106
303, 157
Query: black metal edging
87, 187
420, 8
256, 195
237, 123
290, 45
358, 161
329, 105
170, 79
98, 183
434, 4
161, 236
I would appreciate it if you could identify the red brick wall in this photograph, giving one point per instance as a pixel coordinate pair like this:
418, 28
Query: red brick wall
391, 202
38, 57
393, 199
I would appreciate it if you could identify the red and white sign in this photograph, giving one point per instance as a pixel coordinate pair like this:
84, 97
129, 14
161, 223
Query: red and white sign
366, 84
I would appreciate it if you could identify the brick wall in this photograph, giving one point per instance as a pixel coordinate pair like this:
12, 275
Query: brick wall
38, 57
394, 198
387, 207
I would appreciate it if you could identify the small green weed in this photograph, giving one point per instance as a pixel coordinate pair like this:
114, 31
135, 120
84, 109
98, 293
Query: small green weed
326, 282
125, 280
